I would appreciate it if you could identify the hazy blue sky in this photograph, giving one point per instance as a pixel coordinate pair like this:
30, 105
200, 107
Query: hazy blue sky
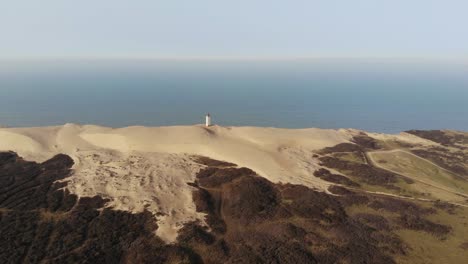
241, 28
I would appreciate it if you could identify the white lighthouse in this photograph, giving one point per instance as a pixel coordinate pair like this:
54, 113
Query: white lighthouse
208, 120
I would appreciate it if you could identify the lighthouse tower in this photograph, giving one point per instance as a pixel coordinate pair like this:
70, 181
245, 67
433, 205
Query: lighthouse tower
208, 120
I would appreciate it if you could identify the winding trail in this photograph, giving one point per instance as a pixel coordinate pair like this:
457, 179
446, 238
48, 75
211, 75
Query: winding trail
418, 157
372, 162
405, 197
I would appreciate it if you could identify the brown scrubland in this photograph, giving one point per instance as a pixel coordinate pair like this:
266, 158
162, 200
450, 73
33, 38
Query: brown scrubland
366, 215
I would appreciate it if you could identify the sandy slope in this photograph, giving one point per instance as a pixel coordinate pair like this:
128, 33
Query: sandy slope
149, 167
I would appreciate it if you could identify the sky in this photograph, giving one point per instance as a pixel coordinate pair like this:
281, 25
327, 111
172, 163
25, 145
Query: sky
234, 29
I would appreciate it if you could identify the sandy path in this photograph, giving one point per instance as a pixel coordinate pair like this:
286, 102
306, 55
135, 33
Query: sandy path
416, 156
374, 163
405, 197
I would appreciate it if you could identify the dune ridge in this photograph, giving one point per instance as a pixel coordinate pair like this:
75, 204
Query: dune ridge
140, 168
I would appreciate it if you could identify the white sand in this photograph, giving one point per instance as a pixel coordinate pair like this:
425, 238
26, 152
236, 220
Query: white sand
149, 167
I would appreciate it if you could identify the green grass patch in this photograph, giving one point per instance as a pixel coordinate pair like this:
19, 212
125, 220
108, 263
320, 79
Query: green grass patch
419, 169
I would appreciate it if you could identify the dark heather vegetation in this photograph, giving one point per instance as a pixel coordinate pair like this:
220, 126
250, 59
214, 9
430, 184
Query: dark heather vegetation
326, 175
405, 214
42, 223
464, 246
342, 147
252, 220
249, 220
456, 162
449, 139
455, 159
212, 162
447, 207
360, 143
439, 225
364, 172
366, 142
255, 221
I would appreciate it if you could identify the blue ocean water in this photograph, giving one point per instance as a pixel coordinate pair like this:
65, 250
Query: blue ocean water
381, 96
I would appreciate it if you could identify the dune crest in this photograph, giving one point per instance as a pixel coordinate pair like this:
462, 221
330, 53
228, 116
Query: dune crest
140, 168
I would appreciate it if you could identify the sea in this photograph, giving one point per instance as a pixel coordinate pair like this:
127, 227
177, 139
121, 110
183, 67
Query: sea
376, 95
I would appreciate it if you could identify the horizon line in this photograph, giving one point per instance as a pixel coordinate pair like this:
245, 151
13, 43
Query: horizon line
233, 58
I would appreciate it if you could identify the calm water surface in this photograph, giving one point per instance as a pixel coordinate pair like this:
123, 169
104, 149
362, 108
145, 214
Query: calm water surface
377, 96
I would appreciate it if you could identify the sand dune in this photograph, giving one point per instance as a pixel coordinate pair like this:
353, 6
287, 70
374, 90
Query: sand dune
141, 168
